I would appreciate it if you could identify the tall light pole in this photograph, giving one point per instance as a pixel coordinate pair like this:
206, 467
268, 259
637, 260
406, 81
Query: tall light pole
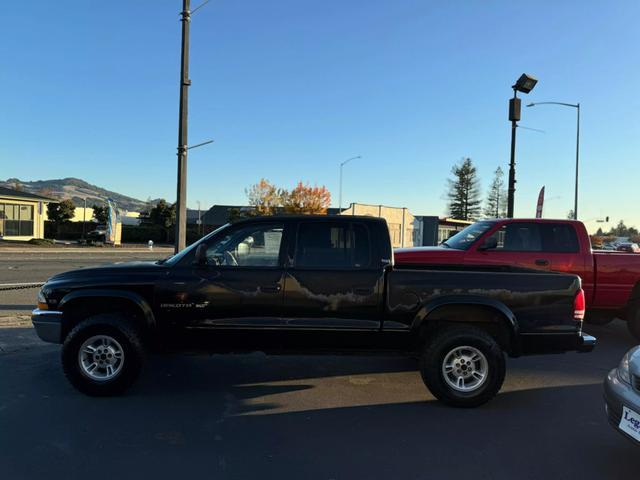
342, 164
577, 107
185, 83
181, 196
524, 84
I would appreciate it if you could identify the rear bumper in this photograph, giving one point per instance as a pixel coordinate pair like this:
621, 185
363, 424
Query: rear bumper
48, 325
533, 344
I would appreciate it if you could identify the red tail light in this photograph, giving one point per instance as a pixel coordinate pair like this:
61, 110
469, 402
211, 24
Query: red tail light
579, 306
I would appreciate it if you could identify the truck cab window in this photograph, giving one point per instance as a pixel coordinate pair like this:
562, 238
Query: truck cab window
333, 245
518, 237
252, 246
559, 238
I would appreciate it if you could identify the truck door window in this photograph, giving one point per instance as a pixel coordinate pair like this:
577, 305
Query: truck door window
518, 237
559, 238
252, 246
333, 245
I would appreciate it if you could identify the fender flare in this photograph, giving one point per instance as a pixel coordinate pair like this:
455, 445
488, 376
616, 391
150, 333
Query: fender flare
136, 299
509, 319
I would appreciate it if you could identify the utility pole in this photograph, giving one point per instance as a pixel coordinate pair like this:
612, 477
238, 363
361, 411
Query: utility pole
84, 216
181, 197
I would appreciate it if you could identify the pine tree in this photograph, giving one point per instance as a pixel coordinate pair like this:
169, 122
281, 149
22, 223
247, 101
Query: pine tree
464, 192
496, 203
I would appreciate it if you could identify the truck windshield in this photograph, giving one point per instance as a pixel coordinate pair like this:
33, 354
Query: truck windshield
465, 238
178, 256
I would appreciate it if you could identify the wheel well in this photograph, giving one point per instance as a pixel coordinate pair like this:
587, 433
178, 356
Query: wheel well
489, 319
79, 309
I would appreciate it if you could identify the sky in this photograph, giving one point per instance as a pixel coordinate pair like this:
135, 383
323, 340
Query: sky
290, 88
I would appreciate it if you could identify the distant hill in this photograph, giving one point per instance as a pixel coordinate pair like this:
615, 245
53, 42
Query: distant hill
76, 190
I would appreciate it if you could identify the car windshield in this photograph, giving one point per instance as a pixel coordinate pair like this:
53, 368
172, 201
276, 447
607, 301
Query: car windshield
465, 238
181, 254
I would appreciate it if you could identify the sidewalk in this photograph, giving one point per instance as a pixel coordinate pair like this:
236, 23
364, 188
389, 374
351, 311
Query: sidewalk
17, 333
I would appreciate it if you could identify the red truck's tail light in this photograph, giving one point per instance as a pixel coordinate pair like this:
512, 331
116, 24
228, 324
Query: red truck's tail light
579, 306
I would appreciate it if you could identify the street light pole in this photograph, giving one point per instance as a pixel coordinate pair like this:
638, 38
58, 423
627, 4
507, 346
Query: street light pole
577, 107
340, 192
514, 116
575, 203
181, 197
524, 84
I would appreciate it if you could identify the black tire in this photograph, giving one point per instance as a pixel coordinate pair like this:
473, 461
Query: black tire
444, 342
126, 336
633, 321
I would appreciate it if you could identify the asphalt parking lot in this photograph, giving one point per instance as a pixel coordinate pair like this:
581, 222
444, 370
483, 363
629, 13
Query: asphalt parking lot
250, 416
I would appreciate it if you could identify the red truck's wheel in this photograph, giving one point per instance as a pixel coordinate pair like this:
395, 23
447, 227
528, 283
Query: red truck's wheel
463, 366
102, 355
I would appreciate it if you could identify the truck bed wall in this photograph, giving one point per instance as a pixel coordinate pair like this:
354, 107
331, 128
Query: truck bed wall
540, 302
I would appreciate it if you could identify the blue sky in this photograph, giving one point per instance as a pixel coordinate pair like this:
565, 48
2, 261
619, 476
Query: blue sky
289, 88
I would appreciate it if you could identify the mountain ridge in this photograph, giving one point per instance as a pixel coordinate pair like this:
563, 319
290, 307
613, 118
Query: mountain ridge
76, 190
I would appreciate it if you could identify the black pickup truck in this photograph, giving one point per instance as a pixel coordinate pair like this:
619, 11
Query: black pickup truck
309, 284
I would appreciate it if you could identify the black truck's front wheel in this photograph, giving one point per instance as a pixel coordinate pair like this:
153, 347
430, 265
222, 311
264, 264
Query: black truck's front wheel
102, 355
463, 366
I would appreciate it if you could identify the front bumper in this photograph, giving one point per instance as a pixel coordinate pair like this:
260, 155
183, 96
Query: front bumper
617, 395
48, 325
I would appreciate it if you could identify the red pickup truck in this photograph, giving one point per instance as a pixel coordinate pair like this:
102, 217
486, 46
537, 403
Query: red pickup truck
610, 279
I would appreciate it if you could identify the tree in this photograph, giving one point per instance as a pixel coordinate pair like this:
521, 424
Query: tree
264, 198
464, 191
164, 215
267, 199
570, 214
496, 203
100, 213
307, 200
599, 233
60, 213
621, 230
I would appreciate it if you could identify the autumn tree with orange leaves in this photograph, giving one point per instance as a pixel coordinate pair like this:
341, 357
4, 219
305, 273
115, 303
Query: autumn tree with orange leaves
307, 199
267, 199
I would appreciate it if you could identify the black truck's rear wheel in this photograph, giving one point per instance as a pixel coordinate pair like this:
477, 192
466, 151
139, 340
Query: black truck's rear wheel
102, 355
463, 366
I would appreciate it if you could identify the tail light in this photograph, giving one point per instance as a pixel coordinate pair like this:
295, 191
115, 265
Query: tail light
579, 306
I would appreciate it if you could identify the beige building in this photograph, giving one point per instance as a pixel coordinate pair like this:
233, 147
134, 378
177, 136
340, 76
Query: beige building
81, 214
22, 215
402, 224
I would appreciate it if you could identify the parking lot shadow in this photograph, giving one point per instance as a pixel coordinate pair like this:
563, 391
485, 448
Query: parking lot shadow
248, 416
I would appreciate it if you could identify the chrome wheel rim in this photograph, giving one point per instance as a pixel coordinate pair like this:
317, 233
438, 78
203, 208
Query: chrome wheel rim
465, 368
101, 358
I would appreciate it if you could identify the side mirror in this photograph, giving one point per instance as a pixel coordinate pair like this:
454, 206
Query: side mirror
490, 243
201, 255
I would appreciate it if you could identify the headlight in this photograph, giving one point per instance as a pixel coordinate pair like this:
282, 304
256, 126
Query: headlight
623, 368
42, 301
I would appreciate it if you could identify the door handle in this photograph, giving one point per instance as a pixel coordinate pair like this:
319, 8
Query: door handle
363, 291
270, 288
541, 262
